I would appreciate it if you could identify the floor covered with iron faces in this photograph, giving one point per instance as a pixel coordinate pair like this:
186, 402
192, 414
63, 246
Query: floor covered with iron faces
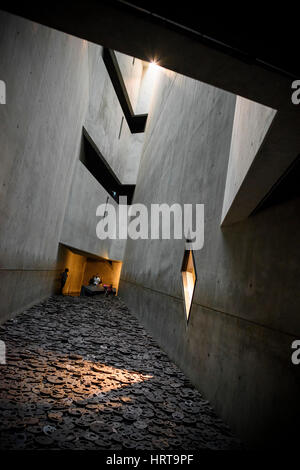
82, 373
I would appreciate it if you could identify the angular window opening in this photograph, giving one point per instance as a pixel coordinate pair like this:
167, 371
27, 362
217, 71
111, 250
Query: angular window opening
189, 278
136, 122
96, 164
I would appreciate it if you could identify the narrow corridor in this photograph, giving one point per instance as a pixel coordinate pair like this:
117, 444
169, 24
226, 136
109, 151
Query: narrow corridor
81, 373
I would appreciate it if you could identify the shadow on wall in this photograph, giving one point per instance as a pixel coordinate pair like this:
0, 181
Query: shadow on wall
266, 394
83, 266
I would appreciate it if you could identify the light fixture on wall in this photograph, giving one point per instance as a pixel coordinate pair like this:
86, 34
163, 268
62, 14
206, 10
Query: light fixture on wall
154, 64
189, 279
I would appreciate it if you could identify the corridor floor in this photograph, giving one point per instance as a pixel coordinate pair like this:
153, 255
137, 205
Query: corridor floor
82, 373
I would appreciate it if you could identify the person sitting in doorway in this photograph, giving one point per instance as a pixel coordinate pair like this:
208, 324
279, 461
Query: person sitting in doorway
97, 280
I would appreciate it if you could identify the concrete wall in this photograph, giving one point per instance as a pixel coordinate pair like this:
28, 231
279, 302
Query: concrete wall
251, 124
148, 82
55, 84
102, 122
46, 75
139, 78
79, 227
236, 347
104, 118
132, 71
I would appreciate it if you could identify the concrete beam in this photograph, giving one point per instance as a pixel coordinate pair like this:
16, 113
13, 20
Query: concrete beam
277, 152
136, 33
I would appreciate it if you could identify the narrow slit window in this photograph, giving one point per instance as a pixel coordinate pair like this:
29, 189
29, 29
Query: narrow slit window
189, 278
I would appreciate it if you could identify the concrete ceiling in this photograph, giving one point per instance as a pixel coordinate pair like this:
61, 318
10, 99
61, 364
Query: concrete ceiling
245, 54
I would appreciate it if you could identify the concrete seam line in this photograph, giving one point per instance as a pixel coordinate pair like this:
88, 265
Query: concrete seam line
29, 269
293, 335
21, 310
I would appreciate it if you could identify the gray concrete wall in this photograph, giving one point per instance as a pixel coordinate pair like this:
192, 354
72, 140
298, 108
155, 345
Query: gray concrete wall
102, 122
46, 75
251, 124
148, 80
79, 228
104, 117
139, 78
132, 71
237, 346
56, 84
